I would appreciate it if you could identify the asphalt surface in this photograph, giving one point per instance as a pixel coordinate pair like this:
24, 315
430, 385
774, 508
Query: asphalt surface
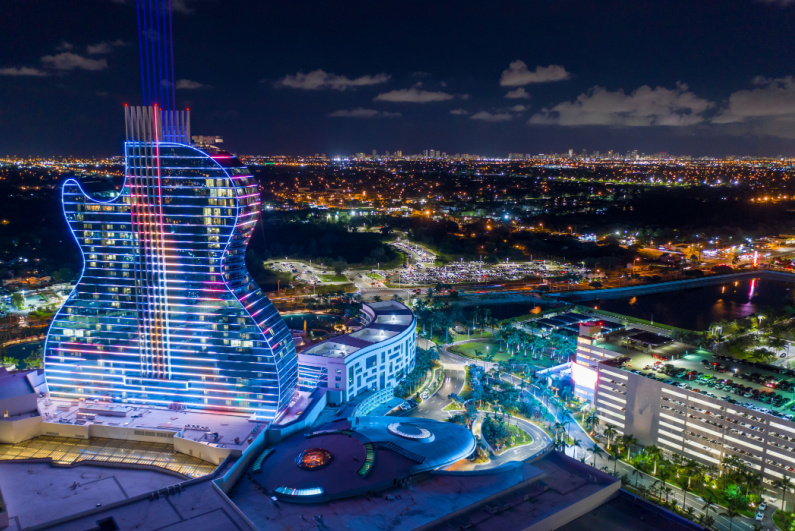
740, 523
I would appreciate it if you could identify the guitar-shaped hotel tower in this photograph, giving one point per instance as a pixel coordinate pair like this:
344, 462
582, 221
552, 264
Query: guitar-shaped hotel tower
165, 311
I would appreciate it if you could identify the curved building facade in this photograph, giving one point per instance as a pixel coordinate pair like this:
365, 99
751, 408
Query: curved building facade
373, 358
165, 311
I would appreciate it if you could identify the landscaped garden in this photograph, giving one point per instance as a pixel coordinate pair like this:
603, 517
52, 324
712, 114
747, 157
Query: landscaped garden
502, 435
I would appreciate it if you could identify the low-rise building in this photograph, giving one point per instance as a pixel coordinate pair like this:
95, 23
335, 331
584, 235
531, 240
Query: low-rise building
375, 357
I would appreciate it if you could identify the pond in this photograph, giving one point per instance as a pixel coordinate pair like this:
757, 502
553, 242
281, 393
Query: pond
23, 351
697, 308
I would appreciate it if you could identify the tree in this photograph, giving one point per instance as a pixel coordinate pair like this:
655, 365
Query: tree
636, 472
18, 300
685, 489
732, 510
592, 420
576, 444
785, 484
709, 502
655, 454
614, 459
610, 432
627, 440
339, 266
596, 452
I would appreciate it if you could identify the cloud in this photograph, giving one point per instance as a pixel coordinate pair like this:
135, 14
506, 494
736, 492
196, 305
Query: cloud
64, 46
102, 47
362, 113
518, 74
643, 107
459, 111
768, 109
187, 84
414, 95
21, 71
320, 79
491, 117
517, 94
519, 108
772, 98
72, 61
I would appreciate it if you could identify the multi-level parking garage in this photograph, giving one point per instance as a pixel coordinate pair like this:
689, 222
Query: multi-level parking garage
692, 404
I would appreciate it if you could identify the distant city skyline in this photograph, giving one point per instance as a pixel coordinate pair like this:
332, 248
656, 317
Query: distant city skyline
707, 78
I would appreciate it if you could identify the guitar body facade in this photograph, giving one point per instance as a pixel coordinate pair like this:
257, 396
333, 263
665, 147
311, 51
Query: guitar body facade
165, 311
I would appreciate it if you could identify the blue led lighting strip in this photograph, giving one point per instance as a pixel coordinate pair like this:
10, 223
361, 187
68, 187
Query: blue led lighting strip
170, 245
156, 49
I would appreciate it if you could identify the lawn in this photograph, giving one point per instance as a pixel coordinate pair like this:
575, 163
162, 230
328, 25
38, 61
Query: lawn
783, 520
468, 350
333, 278
518, 437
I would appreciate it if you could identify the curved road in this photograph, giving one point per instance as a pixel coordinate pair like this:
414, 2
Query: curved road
454, 383
740, 523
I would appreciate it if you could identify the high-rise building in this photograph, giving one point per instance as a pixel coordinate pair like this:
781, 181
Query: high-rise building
165, 311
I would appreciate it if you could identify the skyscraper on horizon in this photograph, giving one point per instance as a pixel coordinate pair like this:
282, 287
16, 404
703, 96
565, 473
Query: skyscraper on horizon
165, 311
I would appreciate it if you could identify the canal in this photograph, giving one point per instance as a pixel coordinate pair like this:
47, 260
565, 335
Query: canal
696, 308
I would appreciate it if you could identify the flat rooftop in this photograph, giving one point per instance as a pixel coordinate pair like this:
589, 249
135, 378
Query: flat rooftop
552, 484
626, 512
193, 507
36, 493
13, 385
389, 318
194, 425
701, 371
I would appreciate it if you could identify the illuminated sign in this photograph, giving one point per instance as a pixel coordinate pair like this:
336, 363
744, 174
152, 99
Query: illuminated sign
583, 376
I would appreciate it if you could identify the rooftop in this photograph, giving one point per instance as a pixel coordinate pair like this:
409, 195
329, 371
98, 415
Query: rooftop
36, 493
385, 319
359, 455
13, 385
194, 425
759, 386
527, 493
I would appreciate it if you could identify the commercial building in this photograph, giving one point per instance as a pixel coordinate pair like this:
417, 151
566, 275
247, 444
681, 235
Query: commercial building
165, 312
373, 358
694, 404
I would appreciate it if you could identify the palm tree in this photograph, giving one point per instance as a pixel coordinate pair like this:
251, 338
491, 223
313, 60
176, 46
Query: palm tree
591, 421
596, 452
709, 502
614, 459
627, 440
732, 511
654, 484
685, 490
655, 454
609, 432
784, 484
576, 444
636, 472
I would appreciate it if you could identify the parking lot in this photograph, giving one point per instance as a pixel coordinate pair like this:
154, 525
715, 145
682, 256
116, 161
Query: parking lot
756, 386
479, 273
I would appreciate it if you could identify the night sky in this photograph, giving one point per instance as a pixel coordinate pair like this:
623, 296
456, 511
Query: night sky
695, 77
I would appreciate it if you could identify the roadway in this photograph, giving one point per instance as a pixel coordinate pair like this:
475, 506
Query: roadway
585, 451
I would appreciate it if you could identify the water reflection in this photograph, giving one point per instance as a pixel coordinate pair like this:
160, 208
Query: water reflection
696, 308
